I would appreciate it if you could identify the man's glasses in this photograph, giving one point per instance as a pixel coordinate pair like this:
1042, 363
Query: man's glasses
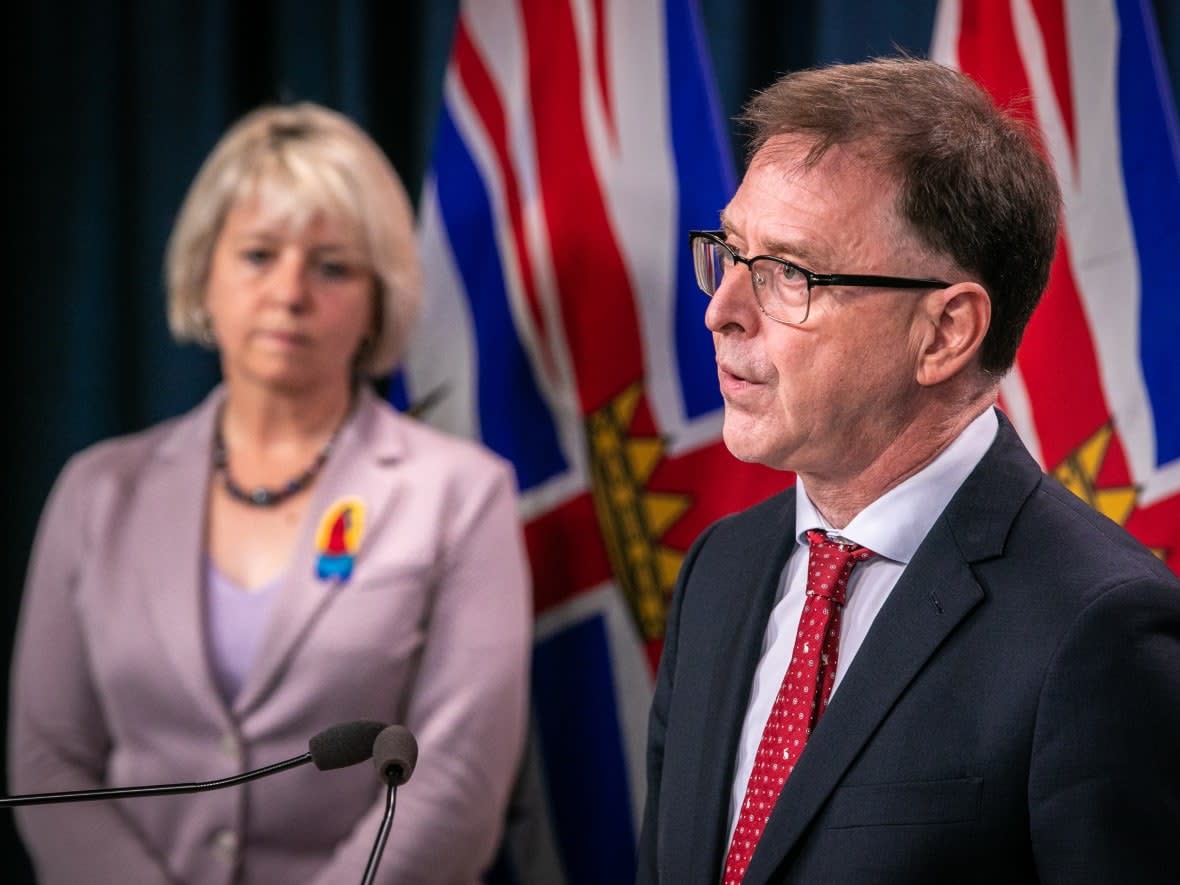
782, 288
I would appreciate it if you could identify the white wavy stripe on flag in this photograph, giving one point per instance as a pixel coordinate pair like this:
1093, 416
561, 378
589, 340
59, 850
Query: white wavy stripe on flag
1050, 121
444, 330
944, 45
497, 30
1015, 402
560, 397
631, 148
629, 671
1102, 243
497, 33
644, 200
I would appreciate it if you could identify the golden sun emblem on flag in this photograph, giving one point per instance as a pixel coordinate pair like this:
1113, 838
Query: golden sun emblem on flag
633, 519
1079, 473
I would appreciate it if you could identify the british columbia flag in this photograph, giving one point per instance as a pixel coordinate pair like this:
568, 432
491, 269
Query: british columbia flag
1096, 389
579, 141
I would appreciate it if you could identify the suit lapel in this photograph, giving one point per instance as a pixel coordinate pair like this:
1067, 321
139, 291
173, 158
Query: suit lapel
935, 593
358, 467
169, 525
749, 593
882, 669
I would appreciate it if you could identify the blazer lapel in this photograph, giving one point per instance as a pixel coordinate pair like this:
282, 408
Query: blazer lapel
357, 468
936, 592
169, 523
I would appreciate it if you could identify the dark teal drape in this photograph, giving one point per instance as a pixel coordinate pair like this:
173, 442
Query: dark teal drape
113, 105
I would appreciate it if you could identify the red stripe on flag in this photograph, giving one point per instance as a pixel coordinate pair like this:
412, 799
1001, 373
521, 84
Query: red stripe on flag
1059, 368
596, 298
600, 63
567, 553
477, 82
988, 52
720, 484
1051, 16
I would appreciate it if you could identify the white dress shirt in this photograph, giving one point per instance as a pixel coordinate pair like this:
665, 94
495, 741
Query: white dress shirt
893, 526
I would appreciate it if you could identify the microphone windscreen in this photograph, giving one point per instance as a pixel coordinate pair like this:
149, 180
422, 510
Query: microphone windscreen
395, 753
345, 744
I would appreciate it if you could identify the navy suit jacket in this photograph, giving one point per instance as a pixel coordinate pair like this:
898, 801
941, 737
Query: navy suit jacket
1012, 716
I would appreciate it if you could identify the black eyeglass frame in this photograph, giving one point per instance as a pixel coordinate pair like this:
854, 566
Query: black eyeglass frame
813, 278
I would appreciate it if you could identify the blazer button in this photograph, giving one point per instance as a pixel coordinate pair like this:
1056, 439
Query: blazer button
225, 843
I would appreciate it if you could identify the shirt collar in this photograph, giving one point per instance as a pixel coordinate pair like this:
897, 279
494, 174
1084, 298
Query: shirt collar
894, 525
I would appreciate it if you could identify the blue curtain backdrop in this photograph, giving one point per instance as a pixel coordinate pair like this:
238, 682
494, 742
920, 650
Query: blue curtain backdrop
114, 104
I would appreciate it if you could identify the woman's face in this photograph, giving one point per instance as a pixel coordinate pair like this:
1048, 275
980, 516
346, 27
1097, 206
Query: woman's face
289, 307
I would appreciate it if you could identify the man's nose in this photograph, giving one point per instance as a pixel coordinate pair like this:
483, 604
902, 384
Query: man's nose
733, 305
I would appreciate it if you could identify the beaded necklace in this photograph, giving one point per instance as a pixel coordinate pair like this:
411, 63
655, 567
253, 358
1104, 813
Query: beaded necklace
260, 496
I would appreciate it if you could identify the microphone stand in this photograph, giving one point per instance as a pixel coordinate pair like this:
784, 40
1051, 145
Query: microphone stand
160, 790
383, 833
344, 744
395, 752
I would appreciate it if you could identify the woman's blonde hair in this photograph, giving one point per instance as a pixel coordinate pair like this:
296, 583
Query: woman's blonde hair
299, 161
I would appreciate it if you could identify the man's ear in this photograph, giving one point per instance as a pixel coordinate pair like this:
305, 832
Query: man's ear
955, 321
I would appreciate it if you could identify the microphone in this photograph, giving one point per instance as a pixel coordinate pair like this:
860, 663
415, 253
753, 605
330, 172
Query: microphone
395, 753
345, 744
336, 747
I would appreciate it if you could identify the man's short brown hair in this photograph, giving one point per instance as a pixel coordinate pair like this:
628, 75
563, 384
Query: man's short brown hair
973, 182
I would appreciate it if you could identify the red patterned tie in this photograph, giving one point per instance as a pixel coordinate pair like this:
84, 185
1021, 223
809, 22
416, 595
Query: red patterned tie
803, 696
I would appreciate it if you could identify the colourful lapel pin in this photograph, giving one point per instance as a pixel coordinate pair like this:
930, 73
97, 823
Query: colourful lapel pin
338, 538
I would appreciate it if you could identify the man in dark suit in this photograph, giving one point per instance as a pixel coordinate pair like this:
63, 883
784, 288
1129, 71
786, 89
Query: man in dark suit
927, 662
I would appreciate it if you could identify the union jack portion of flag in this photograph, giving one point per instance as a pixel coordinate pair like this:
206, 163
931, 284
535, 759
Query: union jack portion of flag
579, 141
1096, 389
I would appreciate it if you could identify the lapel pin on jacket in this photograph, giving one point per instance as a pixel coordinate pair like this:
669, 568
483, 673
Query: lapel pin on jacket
338, 538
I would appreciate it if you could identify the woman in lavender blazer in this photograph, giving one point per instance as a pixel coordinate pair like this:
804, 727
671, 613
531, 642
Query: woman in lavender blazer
206, 595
